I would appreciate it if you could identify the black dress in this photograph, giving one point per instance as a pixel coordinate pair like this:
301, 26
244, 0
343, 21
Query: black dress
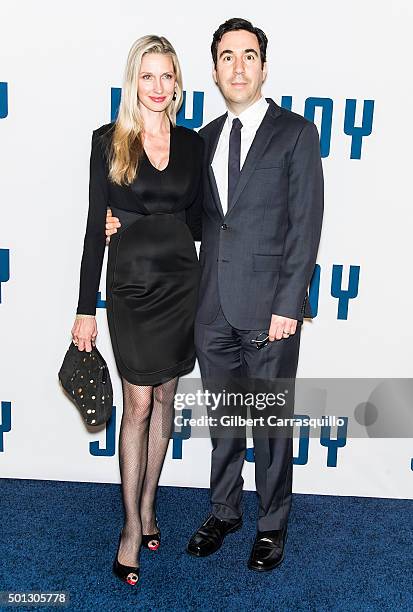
153, 272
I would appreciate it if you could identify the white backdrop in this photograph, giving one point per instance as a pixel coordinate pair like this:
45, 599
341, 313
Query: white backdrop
60, 61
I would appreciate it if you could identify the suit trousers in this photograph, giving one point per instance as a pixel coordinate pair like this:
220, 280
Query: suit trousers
229, 361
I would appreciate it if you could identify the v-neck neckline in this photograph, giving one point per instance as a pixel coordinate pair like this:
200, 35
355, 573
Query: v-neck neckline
170, 150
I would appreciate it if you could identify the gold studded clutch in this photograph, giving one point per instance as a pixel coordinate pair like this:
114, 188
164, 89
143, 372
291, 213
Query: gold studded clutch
85, 378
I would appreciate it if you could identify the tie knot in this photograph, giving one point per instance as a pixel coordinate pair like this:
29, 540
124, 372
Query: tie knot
236, 124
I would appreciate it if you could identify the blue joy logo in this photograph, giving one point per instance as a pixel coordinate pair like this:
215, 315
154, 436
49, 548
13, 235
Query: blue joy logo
4, 104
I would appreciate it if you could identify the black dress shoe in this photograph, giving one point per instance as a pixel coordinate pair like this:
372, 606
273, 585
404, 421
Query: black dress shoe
209, 537
268, 550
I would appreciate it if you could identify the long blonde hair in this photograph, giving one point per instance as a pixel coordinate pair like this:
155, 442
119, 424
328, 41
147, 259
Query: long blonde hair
127, 147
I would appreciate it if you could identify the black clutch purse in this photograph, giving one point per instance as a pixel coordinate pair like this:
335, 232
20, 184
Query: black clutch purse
85, 377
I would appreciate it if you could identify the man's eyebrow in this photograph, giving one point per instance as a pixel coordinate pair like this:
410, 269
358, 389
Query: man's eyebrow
230, 52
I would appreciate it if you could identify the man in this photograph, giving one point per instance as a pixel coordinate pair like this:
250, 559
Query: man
263, 206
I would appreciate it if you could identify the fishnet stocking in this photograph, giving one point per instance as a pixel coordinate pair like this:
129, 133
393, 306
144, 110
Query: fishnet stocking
159, 434
144, 437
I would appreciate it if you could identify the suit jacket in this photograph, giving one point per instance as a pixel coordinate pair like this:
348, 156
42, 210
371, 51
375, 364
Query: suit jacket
258, 259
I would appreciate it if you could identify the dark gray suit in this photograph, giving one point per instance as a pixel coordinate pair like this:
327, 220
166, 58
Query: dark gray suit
256, 261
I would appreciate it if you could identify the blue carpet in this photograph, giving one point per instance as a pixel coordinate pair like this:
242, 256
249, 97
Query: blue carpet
343, 553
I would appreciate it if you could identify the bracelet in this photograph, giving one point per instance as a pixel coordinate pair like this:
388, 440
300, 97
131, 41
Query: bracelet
84, 316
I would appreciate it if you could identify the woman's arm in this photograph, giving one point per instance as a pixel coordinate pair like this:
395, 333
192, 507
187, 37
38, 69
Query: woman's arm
84, 330
194, 212
94, 242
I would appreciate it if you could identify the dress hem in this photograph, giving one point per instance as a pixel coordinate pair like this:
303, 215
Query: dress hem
158, 378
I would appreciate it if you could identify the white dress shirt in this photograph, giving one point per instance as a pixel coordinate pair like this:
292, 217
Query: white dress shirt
251, 119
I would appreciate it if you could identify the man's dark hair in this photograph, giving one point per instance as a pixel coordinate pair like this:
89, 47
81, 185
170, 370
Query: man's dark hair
236, 23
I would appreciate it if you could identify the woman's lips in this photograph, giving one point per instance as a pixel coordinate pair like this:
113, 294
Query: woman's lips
158, 99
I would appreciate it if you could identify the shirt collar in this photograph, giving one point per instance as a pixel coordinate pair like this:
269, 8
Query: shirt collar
252, 116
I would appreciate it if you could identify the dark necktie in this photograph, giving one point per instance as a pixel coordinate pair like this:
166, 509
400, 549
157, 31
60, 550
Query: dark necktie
234, 158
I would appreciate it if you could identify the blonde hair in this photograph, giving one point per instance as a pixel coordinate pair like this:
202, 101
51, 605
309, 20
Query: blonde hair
127, 147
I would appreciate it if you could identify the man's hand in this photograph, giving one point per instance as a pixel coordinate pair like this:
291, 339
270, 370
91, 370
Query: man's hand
112, 225
281, 327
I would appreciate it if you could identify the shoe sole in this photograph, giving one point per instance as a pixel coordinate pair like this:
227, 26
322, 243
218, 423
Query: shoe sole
199, 555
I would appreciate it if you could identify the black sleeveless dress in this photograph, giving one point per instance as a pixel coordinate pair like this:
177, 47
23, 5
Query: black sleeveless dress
153, 272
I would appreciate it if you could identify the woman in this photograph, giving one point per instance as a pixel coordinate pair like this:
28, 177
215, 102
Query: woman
148, 171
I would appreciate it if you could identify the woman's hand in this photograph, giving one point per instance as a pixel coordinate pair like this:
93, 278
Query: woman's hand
84, 332
112, 223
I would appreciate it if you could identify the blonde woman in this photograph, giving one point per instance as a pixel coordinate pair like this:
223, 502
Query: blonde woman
148, 171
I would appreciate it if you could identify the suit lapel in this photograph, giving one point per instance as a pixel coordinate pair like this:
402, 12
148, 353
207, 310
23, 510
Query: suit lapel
263, 136
213, 143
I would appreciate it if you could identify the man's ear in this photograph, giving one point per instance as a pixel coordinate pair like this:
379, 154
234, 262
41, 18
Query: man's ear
214, 75
264, 71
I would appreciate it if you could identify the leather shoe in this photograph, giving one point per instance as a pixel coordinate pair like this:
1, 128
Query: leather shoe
209, 537
268, 550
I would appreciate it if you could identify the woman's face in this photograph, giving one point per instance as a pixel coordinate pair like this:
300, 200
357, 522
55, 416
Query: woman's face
156, 81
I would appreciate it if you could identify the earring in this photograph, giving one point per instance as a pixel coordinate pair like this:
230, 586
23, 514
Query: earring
174, 96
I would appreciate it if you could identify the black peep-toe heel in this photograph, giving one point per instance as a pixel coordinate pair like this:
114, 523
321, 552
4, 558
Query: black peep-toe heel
153, 540
126, 573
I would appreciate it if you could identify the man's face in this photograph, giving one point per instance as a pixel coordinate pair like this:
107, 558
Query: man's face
239, 73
